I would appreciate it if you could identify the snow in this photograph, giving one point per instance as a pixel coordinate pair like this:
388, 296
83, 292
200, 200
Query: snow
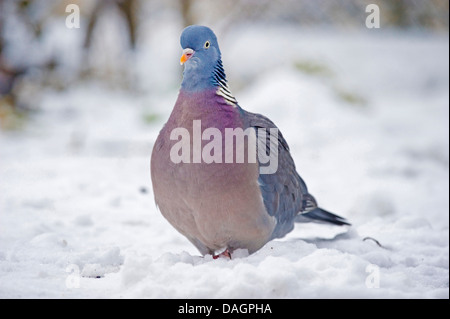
368, 128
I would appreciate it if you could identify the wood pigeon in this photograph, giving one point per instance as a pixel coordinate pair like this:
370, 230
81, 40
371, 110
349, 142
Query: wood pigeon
215, 190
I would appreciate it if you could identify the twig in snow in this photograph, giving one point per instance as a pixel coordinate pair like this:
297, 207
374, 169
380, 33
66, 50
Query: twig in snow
376, 241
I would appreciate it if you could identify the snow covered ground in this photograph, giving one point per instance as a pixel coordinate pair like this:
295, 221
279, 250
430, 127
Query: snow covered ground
366, 116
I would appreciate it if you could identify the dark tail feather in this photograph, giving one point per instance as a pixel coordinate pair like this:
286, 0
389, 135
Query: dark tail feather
320, 215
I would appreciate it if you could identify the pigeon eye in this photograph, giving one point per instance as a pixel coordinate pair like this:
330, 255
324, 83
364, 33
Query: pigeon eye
207, 45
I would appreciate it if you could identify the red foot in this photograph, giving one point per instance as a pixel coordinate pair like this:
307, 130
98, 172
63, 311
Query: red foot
225, 253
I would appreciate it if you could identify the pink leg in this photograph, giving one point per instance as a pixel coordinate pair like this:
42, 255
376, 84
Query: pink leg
225, 253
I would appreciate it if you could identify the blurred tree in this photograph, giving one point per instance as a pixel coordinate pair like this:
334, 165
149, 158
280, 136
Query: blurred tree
186, 12
398, 12
128, 10
8, 74
17, 82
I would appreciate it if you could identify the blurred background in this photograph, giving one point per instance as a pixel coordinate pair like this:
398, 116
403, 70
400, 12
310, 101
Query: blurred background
122, 43
365, 112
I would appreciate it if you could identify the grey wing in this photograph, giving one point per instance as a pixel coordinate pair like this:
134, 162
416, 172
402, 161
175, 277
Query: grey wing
284, 192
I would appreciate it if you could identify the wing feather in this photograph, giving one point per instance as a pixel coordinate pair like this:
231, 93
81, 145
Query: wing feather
284, 193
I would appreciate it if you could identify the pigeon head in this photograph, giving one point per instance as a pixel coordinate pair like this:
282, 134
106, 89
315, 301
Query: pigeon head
201, 58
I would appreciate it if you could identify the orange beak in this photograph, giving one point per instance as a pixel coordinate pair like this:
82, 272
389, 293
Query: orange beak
187, 53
